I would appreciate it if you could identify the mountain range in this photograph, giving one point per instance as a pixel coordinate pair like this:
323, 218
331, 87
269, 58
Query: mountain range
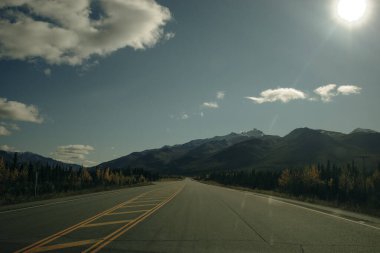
28, 157
254, 149
245, 150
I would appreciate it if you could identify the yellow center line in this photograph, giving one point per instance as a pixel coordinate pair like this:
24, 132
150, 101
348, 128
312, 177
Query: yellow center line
125, 206
152, 198
105, 223
64, 245
109, 238
40, 246
145, 201
76, 226
127, 212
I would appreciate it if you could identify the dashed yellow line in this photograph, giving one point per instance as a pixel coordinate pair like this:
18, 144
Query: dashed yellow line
146, 201
153, 198
127, 212
108, 239
64, 245
138, 201
138, 205
74, 227
105, 223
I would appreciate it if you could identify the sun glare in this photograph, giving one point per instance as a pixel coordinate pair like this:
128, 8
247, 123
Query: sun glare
351, 10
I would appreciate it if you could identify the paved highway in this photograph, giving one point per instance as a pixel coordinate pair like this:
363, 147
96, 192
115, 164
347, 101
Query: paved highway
183, 216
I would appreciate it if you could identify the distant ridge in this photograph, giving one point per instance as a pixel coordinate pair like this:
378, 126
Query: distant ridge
254, 149
241, 151
28, 157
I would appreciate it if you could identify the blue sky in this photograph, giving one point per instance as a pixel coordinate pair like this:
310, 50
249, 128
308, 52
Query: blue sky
92, 82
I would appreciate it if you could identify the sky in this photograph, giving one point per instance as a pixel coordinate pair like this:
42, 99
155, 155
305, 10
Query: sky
88, 81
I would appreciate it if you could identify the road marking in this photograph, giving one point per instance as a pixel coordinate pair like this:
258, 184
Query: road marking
64, 245
146, 201
42, 244
105, 223
111, 237
152, 198
127, 212
162, 197
307, 208
316, 211
138, 205
74, 227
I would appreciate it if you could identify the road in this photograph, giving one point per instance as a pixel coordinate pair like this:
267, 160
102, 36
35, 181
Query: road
183, 216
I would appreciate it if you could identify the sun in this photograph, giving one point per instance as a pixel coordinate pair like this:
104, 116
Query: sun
351, 10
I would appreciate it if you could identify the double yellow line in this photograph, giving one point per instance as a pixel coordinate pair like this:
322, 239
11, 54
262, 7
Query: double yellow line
34, 246
108, 239
101, 243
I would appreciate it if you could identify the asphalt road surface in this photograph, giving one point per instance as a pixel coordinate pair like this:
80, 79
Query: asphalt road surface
183, 216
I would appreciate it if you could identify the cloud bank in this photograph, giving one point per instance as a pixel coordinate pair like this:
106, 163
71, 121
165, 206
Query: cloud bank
71, 31
73, 154
16, 111
283, 95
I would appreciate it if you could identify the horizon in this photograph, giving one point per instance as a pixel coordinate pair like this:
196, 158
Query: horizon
86, 97
210, 137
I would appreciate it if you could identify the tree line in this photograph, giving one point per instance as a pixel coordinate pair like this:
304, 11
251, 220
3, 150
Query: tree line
348, 184
30, 180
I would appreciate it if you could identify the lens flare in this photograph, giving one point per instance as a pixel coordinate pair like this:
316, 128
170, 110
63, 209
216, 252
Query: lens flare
351, 10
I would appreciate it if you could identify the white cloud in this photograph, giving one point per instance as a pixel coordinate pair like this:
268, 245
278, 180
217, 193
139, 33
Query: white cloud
184, 116
212, 105
4, 131
329, 91
201, 114
179, 116
10, 126
63, 32
47, 72
220, 94
169, 35
281, 94
13, 110
73, 154
326, 92
349, 89
8, 148
7, 128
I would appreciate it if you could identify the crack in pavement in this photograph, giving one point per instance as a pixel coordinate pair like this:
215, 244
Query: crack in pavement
244, 221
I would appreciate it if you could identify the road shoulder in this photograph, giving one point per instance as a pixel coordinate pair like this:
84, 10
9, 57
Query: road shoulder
363, 219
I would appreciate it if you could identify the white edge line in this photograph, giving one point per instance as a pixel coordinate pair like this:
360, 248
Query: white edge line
316, 211
309, 209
